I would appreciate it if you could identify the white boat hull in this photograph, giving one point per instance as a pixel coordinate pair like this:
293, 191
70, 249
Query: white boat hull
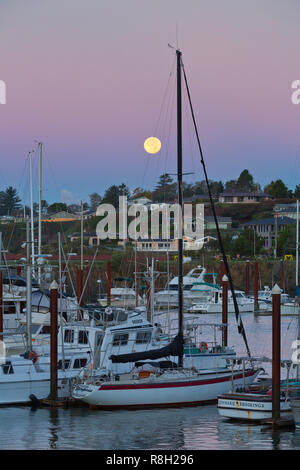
250, 407
18, 391
217, 308
142, 393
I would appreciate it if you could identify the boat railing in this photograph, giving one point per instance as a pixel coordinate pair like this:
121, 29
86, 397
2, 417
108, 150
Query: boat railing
195, 331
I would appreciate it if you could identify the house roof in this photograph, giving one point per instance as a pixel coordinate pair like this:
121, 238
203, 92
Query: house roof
245, 194
210, 218
270, 221
85, 234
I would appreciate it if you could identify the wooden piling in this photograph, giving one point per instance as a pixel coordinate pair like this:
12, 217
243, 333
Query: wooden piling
225, 309
53, 339
247, 278
276, 353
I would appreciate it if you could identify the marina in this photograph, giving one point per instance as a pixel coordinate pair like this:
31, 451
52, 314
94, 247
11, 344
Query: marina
149, 229
184, 428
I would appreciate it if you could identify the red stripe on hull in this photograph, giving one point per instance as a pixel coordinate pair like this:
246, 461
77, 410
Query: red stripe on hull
175, 384
154, 405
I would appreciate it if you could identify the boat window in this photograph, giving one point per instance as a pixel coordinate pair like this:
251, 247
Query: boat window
45, 330
83, 337
66, 363
173, 287
143, 337
120, 339
7, 368
79, 363
69, 336
187, 286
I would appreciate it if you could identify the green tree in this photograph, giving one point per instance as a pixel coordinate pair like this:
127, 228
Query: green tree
216, 187
124, 190
166, 189
140, 192
9, 201
245, 182
111, 195
244, 243
95, 201
231, 186
277, 189
297, 191
57, 207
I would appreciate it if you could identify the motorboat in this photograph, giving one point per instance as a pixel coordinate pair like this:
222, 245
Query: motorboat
197, 279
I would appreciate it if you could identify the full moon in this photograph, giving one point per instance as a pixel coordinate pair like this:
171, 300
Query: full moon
152, 145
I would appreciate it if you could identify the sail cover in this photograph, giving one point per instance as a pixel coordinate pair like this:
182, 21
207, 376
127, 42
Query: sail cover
173, 349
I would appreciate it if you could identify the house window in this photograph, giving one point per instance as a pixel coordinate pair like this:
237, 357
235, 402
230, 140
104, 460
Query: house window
120, 339
143, 337
69, 336
83, 337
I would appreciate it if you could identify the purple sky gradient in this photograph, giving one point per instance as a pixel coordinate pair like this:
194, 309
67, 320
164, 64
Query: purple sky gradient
88, 79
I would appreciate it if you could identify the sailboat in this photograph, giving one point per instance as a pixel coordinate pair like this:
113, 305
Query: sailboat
161, 385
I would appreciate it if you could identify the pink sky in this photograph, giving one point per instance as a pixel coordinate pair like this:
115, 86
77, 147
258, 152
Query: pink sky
88, 79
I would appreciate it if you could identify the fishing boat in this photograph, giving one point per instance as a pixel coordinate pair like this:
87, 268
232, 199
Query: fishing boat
166, 384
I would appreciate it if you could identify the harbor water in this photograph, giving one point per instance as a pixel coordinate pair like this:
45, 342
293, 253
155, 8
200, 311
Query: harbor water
193, 428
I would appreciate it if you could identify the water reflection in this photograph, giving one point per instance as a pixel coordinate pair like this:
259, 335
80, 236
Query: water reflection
172, 429
53, 428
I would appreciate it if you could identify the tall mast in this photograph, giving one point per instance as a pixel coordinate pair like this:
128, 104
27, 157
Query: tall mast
31, 209
40, 212
81, 238
179, 181
28, 290
297, 250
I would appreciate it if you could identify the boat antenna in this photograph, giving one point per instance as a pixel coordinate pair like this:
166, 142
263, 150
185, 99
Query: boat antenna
241, 329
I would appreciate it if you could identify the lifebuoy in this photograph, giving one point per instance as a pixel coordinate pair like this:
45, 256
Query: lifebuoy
33, 356
203, 347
